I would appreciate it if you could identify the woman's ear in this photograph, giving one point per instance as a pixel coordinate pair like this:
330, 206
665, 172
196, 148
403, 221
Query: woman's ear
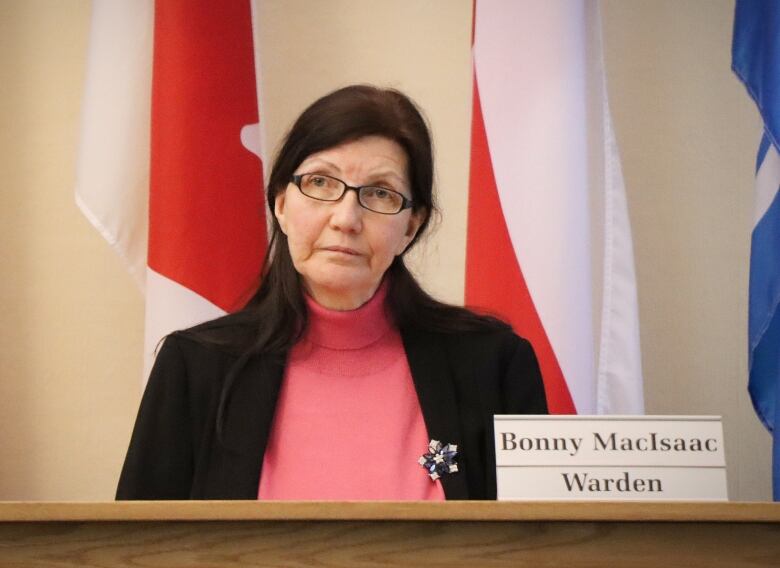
279, 210
415, 220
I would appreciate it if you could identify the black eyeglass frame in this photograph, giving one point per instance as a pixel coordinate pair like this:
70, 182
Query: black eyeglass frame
405, 203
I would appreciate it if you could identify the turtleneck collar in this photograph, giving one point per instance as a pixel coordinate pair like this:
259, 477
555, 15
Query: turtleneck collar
350, 329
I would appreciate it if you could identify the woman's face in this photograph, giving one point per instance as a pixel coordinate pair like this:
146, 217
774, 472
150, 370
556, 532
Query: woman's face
341, 249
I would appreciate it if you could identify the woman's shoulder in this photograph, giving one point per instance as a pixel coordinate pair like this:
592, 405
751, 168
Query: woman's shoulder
497, 339
231, 334
486, 335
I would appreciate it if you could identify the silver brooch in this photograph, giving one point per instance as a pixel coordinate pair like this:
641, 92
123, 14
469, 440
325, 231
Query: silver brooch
439, 459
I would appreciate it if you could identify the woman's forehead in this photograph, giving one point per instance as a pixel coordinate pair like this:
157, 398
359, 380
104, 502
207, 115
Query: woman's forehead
373, 155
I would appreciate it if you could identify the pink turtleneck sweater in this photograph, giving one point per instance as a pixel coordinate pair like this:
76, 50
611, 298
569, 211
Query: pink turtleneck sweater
348, 425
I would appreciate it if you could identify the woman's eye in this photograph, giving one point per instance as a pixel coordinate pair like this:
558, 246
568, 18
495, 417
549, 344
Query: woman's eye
380, 193
318, 181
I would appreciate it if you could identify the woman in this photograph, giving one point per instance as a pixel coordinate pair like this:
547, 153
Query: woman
341, 371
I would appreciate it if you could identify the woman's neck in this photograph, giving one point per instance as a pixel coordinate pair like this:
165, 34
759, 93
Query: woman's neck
340, 300
348, 329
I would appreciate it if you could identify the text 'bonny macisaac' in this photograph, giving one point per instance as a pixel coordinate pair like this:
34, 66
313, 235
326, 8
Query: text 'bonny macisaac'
607, 442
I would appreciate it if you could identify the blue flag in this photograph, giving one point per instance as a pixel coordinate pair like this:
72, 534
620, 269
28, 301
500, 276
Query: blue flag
756, 60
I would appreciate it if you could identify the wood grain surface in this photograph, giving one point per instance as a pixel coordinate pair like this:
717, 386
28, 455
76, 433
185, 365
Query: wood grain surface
389, 534
387, 543
390, 510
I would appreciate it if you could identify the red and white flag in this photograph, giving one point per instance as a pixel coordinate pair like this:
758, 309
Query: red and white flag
549, 241
170, 148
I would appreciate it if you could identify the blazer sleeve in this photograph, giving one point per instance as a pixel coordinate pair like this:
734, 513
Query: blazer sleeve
160, 462
522, 383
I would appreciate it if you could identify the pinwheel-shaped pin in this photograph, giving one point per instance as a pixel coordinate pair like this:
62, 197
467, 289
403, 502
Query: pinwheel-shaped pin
439, 459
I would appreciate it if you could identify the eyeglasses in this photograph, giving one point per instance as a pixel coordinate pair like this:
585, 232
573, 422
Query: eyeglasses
374, 198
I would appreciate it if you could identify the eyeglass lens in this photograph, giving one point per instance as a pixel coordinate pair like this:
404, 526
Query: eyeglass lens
326, 188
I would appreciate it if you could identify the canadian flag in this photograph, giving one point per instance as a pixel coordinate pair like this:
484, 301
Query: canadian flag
170, 148
549, 241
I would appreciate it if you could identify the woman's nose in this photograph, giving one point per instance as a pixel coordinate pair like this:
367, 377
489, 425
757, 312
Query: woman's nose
347, 213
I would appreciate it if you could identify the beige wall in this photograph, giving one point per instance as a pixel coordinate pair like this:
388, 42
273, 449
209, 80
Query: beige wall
688, 135
71, 317
71, 339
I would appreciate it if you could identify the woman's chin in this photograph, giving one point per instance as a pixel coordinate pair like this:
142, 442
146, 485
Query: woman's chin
344, 294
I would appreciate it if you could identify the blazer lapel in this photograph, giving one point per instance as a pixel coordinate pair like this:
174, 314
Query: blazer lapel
429, 365
234, 471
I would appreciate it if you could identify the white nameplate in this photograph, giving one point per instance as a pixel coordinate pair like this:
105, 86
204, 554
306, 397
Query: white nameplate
610, 458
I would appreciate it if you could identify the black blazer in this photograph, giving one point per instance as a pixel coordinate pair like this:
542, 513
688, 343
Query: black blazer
462, 380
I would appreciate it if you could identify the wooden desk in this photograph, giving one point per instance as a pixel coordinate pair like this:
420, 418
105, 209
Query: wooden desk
324, 534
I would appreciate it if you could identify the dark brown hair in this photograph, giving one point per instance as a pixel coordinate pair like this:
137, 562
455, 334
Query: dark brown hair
276, 316
343, 116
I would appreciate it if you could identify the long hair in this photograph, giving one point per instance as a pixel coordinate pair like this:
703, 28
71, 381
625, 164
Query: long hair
277, 313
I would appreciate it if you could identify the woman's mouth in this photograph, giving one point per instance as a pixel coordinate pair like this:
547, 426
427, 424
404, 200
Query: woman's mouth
343, 250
